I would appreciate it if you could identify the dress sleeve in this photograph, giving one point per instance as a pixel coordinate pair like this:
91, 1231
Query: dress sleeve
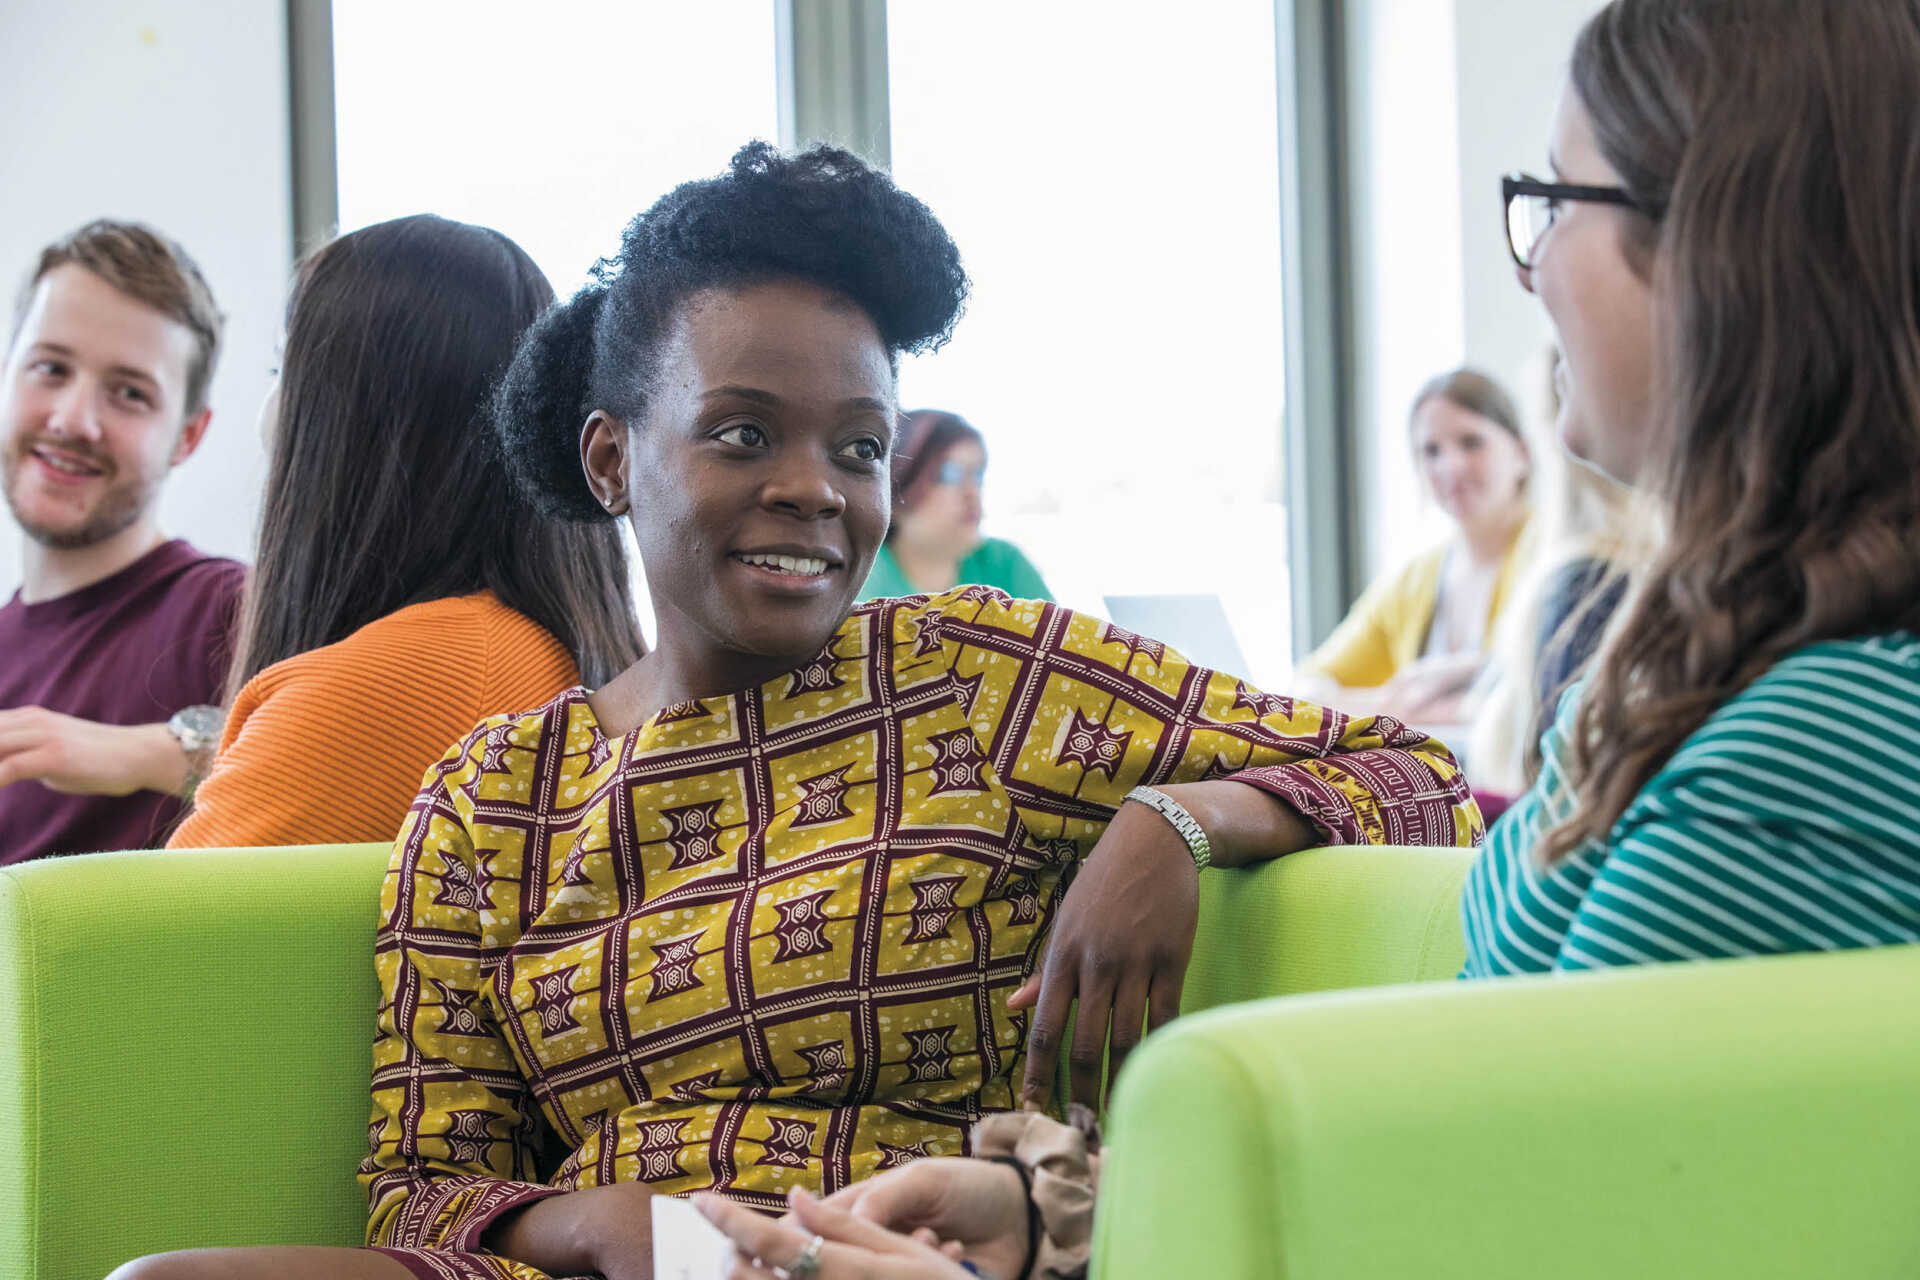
1074, 712
453, 1139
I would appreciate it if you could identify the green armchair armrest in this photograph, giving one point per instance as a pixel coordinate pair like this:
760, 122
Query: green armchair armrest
184, 1048
1748, 1118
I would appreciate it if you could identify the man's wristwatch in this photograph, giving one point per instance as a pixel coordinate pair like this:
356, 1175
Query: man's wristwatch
197, 730
1183, 822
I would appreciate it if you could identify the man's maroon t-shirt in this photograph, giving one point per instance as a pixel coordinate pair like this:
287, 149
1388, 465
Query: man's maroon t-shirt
130, 649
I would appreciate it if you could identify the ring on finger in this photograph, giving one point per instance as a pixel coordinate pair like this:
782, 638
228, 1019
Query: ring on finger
805, 1264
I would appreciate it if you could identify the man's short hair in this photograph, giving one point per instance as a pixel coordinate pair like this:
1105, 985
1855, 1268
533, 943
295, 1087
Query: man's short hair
146, 266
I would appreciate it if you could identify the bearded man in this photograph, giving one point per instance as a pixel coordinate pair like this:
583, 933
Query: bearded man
114, 651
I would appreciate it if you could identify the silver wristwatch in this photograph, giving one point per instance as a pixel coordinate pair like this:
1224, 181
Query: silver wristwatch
1183, 822
197, 729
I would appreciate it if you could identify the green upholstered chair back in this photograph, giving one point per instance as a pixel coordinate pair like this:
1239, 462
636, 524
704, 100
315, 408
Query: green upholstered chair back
184, 1047
184, 1036
1728, 1121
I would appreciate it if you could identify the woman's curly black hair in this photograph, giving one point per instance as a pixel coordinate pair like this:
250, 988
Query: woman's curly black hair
822, 216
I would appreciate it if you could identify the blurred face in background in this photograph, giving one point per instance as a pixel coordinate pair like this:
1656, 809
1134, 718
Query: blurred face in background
94, 409
1475, 469
944, 520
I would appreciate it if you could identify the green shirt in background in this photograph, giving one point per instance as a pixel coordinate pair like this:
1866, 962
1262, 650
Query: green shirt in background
991, 564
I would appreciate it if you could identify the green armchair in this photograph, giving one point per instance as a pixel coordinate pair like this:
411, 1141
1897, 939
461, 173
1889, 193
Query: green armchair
184, 1036
1738, 1120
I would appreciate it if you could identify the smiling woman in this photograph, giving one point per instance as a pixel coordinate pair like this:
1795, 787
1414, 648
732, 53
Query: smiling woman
766, 910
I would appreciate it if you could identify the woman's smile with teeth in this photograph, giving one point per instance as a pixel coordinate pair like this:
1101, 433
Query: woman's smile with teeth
799, 566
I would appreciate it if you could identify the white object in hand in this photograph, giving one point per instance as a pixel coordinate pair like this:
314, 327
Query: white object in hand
685, 1245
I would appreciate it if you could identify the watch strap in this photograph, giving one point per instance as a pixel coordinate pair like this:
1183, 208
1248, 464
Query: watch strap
1182, 822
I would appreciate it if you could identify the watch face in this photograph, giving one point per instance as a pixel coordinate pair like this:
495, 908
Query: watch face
202, 723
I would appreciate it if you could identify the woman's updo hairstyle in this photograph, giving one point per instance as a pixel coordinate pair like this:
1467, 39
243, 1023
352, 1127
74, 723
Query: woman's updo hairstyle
821, 216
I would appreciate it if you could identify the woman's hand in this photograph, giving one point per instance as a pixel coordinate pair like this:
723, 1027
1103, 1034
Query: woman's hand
980, 1205
851, 1248
1120, 944
83, 757
1431, 690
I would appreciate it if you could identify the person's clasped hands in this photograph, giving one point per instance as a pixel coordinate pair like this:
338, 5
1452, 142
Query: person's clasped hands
1022, 1206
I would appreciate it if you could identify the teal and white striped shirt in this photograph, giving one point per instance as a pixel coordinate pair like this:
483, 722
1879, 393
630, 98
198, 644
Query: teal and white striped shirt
1790, 821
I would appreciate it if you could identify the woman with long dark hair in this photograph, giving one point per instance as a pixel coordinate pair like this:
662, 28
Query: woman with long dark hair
402, 588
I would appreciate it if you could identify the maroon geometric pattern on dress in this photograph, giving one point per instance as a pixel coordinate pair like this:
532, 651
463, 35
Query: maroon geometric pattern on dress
683, 711
1023, 896
658, 1149
1262, 705
823, 799
467, 1138
930, 1054
457, 888
818, 676
696, 1088
827, 1064
892, 1157
802, 928
536, 971
790, 1143
672, 970
460, 1014
1135, 644
934, 906
553, 998
958, 765
1093, 746
692, 832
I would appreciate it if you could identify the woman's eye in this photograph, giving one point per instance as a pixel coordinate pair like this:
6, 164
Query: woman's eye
866, 449
744, 434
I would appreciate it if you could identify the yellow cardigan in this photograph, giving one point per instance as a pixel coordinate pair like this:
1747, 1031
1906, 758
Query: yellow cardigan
1387, 627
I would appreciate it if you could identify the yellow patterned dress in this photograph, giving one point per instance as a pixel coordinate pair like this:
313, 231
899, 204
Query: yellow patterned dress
767, 939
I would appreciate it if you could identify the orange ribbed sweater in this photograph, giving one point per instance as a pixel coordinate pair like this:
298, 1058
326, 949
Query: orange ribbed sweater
330, 746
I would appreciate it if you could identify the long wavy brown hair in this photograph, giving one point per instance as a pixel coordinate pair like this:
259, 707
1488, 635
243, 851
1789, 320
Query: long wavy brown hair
1774, 147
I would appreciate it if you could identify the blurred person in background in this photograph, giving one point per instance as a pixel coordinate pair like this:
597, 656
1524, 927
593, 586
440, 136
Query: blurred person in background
118, 640
403, 588
934, 543
1415, 641
1591, 534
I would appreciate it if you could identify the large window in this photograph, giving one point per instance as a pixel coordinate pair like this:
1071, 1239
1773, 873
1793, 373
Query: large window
1109, 171
1110, 174
555, 124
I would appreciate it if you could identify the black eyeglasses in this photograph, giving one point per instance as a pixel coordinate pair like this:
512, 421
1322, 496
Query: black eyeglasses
1531, 207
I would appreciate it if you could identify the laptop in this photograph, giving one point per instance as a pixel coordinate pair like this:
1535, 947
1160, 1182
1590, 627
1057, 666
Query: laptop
1195, 625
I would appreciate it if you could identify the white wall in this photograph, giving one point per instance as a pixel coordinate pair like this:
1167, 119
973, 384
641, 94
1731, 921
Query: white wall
1448, 95
172, 112
1511, 57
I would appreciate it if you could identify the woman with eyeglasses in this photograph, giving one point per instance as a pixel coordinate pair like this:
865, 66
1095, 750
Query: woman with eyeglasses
1730, 254
934, 543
